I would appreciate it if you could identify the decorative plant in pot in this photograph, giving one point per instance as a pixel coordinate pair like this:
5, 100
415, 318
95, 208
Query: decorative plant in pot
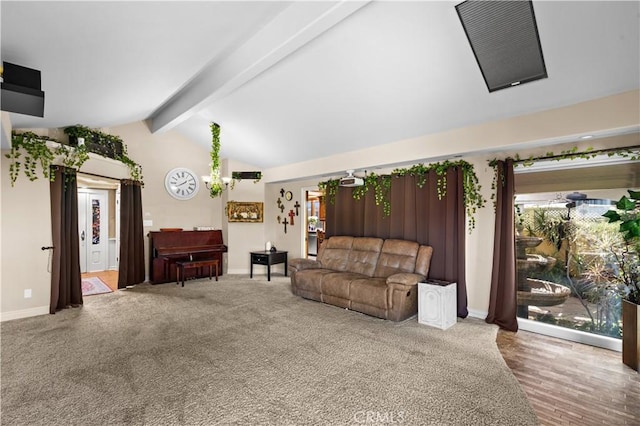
628, 273
313, 221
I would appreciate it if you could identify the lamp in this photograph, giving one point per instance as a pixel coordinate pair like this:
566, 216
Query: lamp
207, 181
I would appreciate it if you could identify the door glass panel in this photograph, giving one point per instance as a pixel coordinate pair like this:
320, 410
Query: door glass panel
564, 261
95, 221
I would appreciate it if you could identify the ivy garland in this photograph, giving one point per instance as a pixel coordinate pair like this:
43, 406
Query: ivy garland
32, 149
630, 153
109, 143
28, 150
216, 184
381, 184
330, 188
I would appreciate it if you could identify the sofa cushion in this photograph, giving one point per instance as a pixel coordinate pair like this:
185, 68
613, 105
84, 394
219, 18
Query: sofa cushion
363, 256
311, 279
335, 253
337, 284
396, 256
369, 291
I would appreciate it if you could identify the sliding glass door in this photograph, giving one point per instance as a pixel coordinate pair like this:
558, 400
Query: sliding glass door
564, 257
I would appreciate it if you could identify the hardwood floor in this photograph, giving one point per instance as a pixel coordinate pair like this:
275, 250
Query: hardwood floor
110, 278
569, 383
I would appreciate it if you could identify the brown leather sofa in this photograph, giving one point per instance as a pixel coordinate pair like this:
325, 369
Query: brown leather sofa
369, 275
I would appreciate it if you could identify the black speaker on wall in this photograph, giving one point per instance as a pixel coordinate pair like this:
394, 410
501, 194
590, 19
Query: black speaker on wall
246, 175
21, 90
505, 41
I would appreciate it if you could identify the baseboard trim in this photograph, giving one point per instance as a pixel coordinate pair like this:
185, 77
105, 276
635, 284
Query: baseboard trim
241, 272
24, 313
570, 334
257, 272
477, 314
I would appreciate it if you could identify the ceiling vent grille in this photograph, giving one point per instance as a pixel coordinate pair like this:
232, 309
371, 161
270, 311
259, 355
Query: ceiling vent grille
505, 41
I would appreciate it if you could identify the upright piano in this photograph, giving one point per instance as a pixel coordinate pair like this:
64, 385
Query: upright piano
166, 248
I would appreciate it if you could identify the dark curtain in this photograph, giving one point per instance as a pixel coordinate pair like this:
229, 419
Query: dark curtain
417, 215
66, 283
503, 299
131, 266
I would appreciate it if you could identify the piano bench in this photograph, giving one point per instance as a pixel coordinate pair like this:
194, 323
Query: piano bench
181, 266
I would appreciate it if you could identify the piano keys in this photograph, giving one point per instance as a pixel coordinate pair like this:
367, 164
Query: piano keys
166, 248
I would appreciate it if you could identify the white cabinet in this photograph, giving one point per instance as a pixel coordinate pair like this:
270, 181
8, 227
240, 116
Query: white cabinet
437, 304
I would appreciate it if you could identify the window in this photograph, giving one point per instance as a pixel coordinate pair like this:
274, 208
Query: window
563, 249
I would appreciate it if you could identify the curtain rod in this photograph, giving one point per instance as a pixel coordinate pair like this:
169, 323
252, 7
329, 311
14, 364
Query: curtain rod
577, 154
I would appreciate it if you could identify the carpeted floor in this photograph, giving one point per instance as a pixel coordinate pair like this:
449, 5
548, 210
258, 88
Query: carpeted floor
243, 351
94, 285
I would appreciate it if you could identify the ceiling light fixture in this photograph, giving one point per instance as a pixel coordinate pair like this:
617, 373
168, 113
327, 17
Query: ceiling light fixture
207, 181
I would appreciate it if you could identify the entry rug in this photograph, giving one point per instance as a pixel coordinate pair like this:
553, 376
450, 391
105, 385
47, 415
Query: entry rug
94, 285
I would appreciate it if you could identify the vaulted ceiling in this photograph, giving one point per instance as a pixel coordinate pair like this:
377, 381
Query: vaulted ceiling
291, 81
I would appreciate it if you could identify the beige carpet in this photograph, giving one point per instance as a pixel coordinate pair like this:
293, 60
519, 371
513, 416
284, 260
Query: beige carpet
242, 351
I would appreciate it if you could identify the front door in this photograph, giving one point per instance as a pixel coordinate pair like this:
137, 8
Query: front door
93, 229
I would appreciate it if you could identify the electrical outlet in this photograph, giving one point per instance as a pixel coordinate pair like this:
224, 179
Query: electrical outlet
27, 293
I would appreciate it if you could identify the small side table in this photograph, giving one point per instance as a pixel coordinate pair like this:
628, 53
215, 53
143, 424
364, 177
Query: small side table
268, 258
437, 303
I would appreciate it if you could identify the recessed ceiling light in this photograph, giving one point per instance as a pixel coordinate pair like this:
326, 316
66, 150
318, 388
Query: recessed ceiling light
515, 83
586, 137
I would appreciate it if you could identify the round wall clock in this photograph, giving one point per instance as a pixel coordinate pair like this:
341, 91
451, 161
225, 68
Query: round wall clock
181, 183
288, 196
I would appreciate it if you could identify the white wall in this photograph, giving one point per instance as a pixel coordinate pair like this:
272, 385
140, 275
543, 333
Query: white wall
291, 240
26, 227
517, 133
242, 237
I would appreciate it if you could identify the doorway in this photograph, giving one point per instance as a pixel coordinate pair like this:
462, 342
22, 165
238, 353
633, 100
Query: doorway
93, 227
563, 248
314, 219
99, 228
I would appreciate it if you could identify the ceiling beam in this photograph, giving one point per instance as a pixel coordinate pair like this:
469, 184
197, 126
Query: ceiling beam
294, 27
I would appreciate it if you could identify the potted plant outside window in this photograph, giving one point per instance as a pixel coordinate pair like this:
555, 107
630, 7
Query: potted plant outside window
627, 276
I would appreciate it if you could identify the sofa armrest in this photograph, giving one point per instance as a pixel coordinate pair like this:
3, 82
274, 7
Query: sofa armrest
300, 264
402, 293
404, 281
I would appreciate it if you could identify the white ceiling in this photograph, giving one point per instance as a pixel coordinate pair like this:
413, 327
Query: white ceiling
292, 81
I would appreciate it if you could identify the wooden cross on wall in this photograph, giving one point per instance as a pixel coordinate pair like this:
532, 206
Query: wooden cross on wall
291, 216
284, 221
297, 206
